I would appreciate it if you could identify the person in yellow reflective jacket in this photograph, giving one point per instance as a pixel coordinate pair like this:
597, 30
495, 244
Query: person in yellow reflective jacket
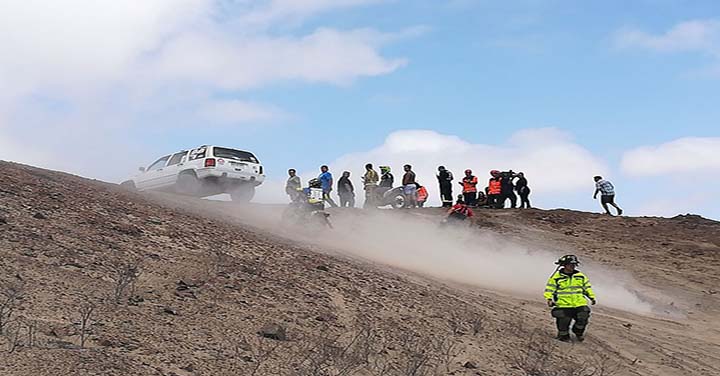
567, 292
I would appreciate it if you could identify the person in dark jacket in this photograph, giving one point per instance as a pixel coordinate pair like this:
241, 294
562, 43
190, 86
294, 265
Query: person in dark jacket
507, 189
346, 191
445, 179
523, 190
386, 177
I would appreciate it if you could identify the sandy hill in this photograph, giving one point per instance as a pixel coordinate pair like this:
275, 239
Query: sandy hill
95, 280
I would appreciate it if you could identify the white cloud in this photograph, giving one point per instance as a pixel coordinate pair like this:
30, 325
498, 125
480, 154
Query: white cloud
683, 155
264, 13
227, 62
695, 35
111, 65
235, 112
550, 159
82, 44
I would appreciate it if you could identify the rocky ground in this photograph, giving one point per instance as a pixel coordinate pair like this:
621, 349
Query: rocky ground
95, 280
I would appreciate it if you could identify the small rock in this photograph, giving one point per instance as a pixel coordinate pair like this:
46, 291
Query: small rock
188, 368
106, 343
170, 311
185, 294
74, 264
127, 229
274, 331
323, 268
470, 365
628, 325
39, 215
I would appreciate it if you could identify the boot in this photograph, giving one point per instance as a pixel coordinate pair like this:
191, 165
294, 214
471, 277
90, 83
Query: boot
580, 337
563, 337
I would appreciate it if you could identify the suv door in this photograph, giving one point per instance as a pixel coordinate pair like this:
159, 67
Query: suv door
173, 168
151, 178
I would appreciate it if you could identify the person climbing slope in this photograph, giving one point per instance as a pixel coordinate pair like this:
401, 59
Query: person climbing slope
567, 292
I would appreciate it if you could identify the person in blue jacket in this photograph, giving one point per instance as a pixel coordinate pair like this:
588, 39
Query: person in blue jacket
326, 179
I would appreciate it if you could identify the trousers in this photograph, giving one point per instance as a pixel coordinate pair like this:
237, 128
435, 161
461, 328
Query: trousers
446, 194
564, 317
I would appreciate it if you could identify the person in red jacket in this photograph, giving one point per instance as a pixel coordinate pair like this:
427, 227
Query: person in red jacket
469, 184
494, 190
422, 195
459, 212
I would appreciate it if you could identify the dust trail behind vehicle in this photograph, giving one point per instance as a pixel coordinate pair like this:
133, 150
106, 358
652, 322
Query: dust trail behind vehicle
413, 241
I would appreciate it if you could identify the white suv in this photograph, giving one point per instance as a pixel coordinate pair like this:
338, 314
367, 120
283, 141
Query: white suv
204, 171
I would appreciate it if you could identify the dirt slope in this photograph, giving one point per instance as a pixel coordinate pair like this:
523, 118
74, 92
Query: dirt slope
207, 288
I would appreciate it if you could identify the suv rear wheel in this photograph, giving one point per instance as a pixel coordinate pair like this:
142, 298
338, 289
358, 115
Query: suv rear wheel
243, 193
187, 184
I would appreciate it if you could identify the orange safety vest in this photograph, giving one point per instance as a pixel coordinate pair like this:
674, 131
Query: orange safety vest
470, 185
495, 187
422, 194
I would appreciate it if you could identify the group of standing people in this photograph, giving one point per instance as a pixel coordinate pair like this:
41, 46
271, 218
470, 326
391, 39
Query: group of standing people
502, 186
376, 185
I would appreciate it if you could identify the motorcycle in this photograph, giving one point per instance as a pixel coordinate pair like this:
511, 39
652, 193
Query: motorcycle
306, 215
394, 197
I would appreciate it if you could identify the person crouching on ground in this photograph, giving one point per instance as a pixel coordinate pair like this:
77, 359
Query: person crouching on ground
567, 292
459, 212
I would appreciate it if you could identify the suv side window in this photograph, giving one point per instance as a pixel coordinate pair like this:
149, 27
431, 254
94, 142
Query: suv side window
198, 153
160, 163
177, 158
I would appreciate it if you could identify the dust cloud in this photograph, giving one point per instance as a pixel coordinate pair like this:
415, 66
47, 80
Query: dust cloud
414, 241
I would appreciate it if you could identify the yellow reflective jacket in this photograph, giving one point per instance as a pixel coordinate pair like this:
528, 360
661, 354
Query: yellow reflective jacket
569, 291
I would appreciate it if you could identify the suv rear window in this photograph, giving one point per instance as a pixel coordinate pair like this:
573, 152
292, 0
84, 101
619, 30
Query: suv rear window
234, 154
198, 153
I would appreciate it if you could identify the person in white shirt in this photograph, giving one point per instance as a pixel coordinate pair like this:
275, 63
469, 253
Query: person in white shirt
607, 197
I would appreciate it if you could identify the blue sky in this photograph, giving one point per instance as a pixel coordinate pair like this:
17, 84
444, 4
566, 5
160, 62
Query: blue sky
613, 75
